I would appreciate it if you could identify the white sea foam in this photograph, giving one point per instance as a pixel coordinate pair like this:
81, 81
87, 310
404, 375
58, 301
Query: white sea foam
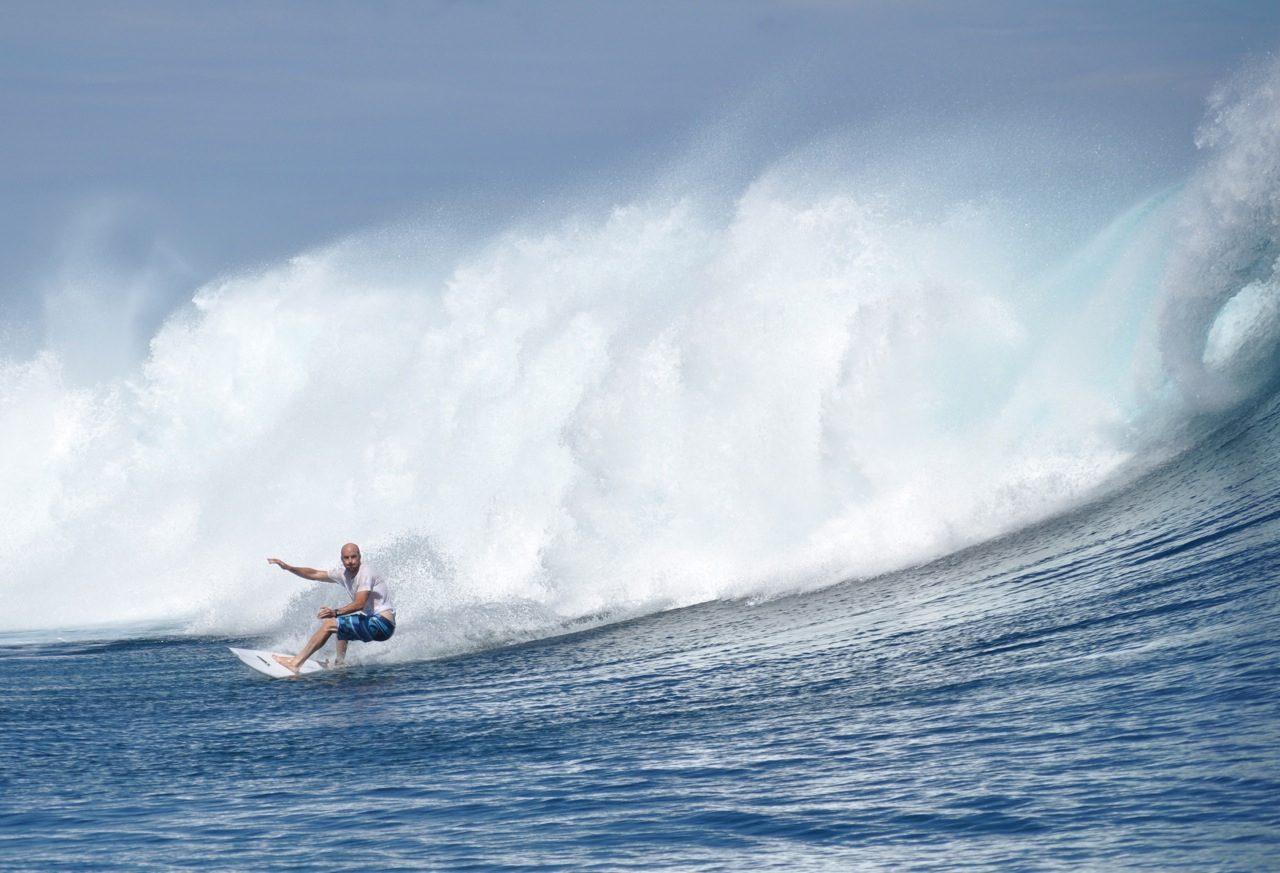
1218, 321
598, 415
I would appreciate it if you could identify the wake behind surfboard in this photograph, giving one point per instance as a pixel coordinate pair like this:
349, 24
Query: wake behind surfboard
265, 663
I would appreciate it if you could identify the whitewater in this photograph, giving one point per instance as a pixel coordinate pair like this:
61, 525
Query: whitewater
853, 517
661, 403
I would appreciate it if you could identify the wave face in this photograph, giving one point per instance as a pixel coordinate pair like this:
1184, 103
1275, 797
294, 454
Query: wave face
830, 373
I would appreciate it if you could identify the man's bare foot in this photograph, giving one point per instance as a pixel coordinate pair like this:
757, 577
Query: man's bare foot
286, 662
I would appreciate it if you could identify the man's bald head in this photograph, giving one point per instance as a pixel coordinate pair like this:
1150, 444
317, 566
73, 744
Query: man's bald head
351, 558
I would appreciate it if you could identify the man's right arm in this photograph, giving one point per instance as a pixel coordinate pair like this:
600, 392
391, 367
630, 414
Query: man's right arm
304, 572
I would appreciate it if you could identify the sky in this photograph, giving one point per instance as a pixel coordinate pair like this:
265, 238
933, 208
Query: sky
179, 141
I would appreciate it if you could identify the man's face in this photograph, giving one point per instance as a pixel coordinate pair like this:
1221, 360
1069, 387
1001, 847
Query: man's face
351, 560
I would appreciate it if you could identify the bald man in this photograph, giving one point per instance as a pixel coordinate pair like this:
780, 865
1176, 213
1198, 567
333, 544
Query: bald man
370, 616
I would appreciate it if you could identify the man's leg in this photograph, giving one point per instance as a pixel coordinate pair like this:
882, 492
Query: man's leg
341, 657
328, 628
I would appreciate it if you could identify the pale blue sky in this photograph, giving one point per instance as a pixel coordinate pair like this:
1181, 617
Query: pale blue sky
234, 132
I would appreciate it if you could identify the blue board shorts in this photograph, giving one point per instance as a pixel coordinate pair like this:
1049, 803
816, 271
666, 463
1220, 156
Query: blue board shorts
365, 628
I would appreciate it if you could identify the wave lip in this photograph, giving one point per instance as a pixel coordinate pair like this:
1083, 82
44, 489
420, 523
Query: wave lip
1219, 319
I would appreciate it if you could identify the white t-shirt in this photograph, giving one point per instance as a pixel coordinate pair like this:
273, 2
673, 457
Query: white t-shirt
366, 579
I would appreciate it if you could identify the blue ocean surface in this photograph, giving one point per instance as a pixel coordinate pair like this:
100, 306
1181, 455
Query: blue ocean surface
883, 516
1101, 692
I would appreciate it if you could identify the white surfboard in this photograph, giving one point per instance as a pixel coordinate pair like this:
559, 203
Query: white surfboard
265, 663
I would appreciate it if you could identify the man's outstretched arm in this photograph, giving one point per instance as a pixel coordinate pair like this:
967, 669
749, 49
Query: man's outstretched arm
304, 572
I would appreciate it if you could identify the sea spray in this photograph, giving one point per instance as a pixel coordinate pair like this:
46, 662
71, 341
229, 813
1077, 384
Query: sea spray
596, 415
1219, 324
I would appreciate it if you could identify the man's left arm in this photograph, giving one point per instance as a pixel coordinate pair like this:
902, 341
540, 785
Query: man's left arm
354, 606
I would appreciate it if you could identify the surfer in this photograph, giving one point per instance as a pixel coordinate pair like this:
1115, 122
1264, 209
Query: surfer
370, 616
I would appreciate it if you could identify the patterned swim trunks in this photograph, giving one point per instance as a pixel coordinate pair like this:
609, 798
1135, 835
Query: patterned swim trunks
365, 628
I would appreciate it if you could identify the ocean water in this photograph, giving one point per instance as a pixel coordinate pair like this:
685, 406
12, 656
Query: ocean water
850, 520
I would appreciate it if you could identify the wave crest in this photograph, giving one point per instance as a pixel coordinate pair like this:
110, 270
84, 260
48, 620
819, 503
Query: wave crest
1225, 258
